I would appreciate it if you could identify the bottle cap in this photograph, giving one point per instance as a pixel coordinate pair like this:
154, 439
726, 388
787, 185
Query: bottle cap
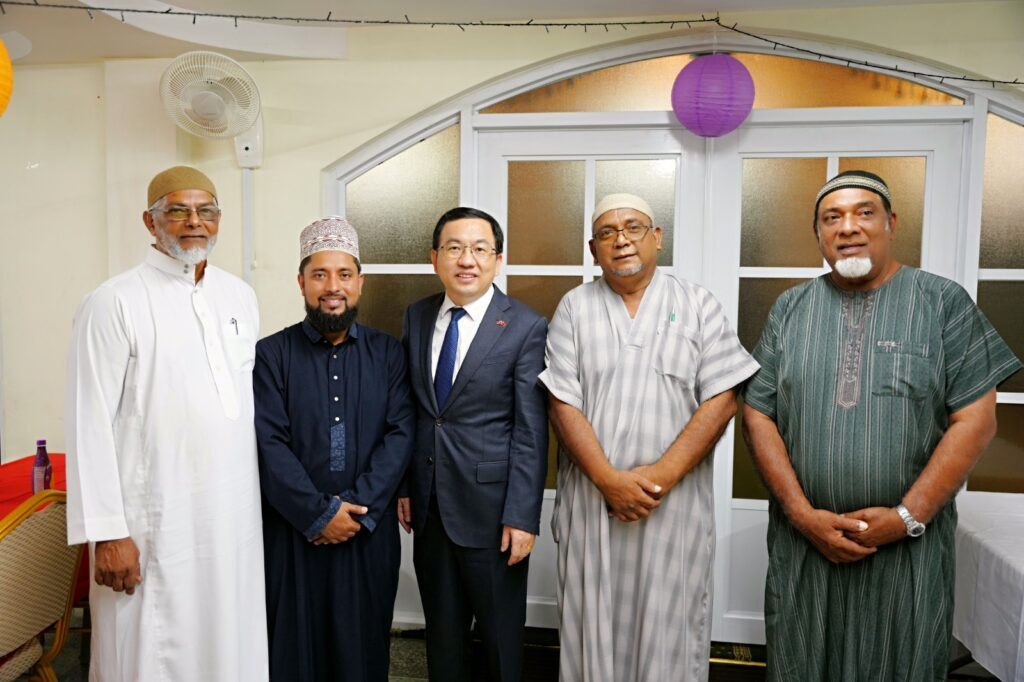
41, 441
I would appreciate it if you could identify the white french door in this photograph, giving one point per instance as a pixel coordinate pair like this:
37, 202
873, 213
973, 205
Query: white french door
754, 257
737, 212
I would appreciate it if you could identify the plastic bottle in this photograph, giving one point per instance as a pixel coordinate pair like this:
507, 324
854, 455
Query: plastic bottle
42, 470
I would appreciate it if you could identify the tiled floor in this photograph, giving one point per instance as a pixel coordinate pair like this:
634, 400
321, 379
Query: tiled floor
408, 660
409, 664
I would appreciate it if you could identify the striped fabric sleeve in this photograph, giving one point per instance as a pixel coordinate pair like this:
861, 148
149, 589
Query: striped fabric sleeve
724, 362
977, 358
760, 392
561, 369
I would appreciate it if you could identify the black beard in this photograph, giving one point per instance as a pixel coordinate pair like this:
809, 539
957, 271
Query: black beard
331, 323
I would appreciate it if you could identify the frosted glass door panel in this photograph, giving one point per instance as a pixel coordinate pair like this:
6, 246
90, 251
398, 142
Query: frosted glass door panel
1001, 468
545, 212
395, 205
777, 211
385, 298
541, 292
1002, 230
779, 82
1003, 305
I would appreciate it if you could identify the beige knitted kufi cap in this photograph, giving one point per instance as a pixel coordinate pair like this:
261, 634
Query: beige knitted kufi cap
179, 178
332, 233
614, 201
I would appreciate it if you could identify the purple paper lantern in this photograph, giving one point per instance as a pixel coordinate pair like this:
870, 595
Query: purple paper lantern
713, 95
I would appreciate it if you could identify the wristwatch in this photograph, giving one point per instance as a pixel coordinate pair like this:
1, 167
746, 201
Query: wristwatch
915, 528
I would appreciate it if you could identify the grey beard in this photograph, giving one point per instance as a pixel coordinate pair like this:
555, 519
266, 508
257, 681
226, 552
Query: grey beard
193, 256
628, 272
853, 268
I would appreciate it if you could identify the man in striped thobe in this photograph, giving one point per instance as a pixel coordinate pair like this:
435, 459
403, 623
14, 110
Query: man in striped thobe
875, 398
641, 370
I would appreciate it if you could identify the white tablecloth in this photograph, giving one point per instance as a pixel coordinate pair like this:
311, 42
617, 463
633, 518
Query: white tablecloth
989, 615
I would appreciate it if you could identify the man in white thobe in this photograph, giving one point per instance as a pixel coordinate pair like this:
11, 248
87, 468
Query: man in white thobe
641, 369
162, 472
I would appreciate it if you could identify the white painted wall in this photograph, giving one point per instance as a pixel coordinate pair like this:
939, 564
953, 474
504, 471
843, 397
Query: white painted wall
140, 143
79, 143
53, 239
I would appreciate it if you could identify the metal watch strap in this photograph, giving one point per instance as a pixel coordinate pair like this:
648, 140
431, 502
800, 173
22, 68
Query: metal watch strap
914, 527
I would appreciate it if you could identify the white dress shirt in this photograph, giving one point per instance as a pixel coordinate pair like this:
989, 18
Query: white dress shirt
468, 326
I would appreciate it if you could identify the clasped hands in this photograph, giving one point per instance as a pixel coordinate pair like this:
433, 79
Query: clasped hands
852, 536
343, 526
632, 495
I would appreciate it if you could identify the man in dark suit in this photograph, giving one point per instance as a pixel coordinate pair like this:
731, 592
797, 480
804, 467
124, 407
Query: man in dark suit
476, 481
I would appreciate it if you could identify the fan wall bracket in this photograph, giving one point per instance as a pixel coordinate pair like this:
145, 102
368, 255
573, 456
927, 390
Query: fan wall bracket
249, 145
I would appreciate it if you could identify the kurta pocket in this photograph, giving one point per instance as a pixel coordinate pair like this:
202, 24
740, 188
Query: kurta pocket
239, 345
901, 369
677, 353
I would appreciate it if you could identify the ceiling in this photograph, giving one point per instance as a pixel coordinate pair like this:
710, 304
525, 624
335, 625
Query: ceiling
38, 35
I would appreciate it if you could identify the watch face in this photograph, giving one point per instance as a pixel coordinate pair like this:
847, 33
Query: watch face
916, 530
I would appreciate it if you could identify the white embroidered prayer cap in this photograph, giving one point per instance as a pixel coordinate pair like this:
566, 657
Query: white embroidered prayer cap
333, 233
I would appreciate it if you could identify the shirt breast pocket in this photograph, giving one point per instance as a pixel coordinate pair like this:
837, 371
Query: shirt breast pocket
901, 369
239, 345
678, 354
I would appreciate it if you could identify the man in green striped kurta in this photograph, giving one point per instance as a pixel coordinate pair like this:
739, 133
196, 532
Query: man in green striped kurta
875, 398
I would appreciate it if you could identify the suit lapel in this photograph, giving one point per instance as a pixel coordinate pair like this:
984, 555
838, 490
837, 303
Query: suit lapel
426, 325
491, 328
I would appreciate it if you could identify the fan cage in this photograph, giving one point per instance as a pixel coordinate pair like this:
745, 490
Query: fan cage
195, 73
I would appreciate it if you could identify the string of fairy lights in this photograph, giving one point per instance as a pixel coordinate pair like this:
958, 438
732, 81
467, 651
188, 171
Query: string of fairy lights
530, 24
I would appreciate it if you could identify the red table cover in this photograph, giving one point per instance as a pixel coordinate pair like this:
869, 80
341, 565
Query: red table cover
16, 487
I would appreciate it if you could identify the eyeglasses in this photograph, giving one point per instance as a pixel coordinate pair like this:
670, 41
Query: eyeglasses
179, 213
632, 233
479, 252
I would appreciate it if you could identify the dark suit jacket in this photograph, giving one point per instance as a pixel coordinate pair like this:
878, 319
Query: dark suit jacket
486, 448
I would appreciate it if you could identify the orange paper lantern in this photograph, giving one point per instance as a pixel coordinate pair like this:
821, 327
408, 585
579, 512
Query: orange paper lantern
6, 78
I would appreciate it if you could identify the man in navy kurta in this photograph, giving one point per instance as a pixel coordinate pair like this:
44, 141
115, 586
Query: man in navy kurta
334, 426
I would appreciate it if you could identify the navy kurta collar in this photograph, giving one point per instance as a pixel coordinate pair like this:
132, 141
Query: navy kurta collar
316, 337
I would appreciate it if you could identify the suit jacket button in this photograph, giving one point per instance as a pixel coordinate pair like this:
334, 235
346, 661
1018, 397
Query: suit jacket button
440, 421
430, 460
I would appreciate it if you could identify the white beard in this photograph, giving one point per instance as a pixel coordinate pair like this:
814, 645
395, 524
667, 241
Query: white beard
853, 268
193, 256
